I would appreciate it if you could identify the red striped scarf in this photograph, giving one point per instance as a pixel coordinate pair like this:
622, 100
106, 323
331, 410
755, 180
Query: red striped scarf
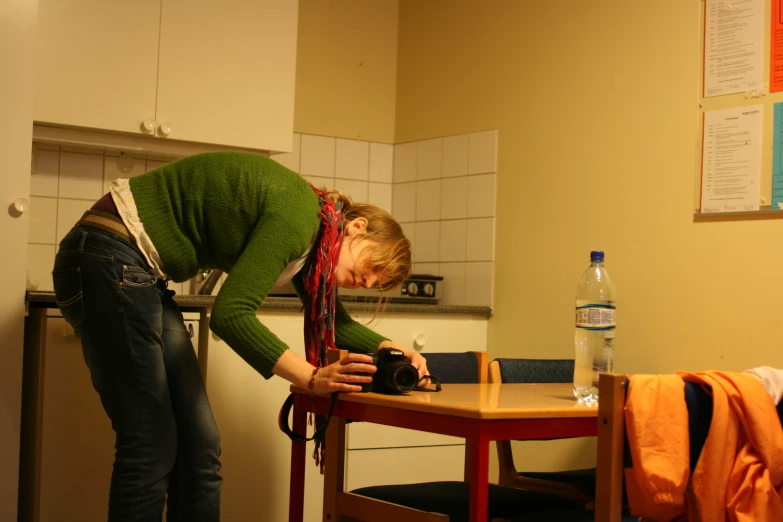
321, 287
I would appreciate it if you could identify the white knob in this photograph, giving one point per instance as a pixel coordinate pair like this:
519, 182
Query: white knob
148, 125
413, 289
21, 205
419, 342
429, 289
165, 128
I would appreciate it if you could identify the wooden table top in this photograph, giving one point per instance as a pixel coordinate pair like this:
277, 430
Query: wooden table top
484, 401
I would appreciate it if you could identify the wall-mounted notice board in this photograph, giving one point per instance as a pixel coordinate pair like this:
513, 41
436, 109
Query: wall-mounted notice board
739, 164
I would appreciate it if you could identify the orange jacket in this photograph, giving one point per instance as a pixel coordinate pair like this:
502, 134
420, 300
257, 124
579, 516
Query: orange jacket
739, 475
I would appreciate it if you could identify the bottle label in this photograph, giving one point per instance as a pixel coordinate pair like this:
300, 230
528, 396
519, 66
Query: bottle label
595, 317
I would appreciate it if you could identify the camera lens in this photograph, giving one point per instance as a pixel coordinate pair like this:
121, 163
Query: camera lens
401, 377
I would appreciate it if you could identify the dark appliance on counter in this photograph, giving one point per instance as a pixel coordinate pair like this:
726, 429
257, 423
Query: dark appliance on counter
418, 288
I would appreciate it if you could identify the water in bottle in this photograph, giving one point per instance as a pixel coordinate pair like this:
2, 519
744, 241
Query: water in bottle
594, 331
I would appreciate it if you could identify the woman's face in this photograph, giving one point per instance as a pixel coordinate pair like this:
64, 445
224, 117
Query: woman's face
352, 270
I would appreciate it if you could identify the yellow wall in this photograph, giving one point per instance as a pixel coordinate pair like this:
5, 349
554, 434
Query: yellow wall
596, 106
346, 69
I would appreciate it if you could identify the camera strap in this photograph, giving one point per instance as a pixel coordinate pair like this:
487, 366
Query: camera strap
282, 421
434, 380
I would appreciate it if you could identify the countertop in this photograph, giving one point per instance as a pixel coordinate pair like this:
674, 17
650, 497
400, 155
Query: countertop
45, 299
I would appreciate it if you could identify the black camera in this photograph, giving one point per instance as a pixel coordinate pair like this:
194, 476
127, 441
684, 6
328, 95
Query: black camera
395, 373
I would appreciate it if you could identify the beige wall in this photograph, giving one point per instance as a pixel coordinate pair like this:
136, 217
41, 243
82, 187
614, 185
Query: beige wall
596, 106
346, 69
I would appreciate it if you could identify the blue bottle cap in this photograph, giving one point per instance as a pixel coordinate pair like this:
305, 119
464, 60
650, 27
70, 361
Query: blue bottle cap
596, 255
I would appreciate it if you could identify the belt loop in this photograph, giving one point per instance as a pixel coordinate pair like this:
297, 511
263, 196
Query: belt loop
81, 242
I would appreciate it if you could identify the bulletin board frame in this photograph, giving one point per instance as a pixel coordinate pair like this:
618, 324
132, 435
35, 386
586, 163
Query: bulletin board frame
760, 97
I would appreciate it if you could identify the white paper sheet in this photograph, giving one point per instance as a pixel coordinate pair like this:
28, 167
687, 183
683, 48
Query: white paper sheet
731, 160
733, 46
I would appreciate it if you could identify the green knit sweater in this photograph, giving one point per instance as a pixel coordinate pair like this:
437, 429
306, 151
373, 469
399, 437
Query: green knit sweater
248, 216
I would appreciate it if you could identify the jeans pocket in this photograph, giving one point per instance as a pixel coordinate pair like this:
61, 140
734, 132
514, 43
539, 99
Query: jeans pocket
68, 294
137, 277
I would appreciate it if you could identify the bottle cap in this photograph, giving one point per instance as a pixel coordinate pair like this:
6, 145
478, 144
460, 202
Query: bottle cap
596, 255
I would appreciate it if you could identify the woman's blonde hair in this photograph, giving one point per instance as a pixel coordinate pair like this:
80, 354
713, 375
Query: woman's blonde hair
393, 253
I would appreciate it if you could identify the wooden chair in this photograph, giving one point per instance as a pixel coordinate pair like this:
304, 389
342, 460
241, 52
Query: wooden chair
612, 455
577, 484
424, 502
611, 436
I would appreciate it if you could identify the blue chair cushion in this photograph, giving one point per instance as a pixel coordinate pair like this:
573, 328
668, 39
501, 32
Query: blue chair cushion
454, 368
536, 370
453, 499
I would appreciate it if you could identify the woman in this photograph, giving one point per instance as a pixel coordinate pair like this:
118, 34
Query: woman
263, 225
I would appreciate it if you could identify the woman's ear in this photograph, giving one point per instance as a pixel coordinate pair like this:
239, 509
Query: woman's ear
356, 227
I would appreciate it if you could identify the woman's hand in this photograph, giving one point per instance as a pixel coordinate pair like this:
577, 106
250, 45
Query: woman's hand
416, 359
341, 376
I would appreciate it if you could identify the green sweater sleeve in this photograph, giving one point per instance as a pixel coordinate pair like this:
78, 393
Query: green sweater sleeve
349, 334
255, 272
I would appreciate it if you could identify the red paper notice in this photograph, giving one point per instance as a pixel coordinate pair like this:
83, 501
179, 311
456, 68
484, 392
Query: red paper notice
776, 48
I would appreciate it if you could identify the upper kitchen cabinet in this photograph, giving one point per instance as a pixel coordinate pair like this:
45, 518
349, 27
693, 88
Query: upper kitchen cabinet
193, 70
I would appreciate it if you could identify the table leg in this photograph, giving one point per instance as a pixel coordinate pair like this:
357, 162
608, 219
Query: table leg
298, 456
32, 415
334, 471
479, 478
203, 342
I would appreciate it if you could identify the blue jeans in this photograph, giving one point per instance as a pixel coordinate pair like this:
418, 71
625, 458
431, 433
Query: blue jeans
144, 368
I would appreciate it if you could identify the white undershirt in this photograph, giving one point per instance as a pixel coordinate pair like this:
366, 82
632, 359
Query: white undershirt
293, 267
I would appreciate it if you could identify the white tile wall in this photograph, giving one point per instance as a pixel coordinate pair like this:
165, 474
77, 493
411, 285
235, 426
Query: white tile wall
381, 162
318, 156
380, 195
428, 200
454, 198
482, 152
441, 190
455, 156
290, 160
352, 160
45, 172
404, 202
405, 162
456, 191
64, 182
430, 159
426, 247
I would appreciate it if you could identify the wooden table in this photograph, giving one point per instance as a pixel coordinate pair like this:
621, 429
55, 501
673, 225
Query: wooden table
479, 413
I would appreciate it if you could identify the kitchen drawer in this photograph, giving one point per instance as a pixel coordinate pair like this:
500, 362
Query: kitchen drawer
403, 466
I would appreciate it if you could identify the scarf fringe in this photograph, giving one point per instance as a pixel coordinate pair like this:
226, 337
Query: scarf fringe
321, 288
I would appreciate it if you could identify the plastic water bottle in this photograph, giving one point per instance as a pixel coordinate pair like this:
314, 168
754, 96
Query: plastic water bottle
594, 332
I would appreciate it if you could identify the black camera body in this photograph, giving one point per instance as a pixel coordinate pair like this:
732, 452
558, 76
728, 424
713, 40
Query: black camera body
395, 374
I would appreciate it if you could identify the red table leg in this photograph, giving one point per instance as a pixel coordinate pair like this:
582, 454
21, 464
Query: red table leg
298, 456
479, 479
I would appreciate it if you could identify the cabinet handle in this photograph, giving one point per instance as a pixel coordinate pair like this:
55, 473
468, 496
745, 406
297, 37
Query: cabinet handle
148, 126
165, 128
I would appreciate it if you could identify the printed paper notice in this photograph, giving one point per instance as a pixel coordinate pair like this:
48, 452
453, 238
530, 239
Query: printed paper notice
733, 46
731, 160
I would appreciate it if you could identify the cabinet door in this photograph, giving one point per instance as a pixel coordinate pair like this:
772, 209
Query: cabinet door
227, 71
97, 63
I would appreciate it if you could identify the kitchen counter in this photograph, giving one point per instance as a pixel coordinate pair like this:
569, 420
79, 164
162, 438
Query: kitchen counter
194, 303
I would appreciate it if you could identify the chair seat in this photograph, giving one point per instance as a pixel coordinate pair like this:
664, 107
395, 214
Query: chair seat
583, 479
566, 516
453, 499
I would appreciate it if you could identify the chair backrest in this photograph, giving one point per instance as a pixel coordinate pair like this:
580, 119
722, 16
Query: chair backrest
532, 370
458, 368
614, 455
611, 438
